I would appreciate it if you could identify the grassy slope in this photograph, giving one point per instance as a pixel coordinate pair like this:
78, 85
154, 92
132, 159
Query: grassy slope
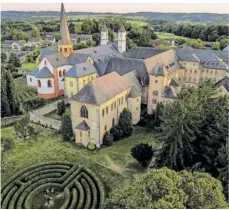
113, 165
28, 66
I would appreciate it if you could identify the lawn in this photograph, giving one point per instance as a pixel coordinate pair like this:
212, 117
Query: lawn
23, 92
137, 22
114, 165
28, 66
54, 115
168, 37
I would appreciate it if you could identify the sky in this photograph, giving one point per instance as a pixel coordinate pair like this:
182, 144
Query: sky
202, 7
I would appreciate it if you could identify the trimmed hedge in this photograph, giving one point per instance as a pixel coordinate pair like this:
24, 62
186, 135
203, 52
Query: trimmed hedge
82, 188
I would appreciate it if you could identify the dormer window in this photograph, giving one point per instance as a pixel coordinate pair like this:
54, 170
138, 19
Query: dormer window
45, 62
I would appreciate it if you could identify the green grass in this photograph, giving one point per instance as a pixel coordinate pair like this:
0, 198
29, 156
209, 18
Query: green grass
137, 22
54, 115
114, 165
168, 37
28, 66
24, 92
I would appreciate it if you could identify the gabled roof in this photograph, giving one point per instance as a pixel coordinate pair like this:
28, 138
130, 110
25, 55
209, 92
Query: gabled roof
143, 52
102, 89
64, 31
122, 29
134, 92
223, 82
75, 58
169, 92
44, 73
104, 28
157, 70
133, 79
33, 73
57, 59
80, 70
125, 65
174, 82
191, 57
83, 126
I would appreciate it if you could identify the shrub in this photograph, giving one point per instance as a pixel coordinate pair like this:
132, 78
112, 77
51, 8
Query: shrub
60, 108
91, 146
125, 122
117, 132
66, 127
142, 153
108, 139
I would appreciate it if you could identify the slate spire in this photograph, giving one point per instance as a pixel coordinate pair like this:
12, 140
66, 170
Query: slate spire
65, 38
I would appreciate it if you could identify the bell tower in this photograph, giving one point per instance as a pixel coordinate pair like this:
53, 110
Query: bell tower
122, 39
104, 35
65, 45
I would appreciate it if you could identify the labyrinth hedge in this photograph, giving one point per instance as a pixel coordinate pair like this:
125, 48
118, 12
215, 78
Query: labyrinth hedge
53, 185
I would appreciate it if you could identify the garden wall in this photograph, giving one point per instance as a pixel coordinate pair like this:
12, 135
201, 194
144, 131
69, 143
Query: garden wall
6, 121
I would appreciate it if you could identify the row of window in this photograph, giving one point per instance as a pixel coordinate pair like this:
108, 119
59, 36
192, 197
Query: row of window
62, 73
49, 83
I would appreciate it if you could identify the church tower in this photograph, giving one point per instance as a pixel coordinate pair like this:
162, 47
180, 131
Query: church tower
104, 35
65, 45
122, 39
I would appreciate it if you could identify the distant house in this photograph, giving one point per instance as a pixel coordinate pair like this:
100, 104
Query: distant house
13, 44
82, 38
50, 37
34, 42
226, 48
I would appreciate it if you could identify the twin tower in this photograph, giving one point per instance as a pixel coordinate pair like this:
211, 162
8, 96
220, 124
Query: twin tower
121, 38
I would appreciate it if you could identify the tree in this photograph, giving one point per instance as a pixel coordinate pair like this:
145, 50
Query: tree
117, 132
35, 32
144, 39
215, 45
13, 59
66, 127
165, 188
142, 153
224, 43
108, 139
96, 38
195, 43
125, 122
23, 127
5, 105
61, 108
71, 28
3, 57
12, 94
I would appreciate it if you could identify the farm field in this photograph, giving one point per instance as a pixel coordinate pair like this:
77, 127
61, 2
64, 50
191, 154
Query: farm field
23, 92
114, 165
137, 22
28, 66
168, 37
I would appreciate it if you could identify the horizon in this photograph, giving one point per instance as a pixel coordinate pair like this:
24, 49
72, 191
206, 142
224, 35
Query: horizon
119, 8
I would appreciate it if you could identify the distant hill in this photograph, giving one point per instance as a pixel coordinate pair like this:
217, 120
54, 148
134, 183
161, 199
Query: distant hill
176, 17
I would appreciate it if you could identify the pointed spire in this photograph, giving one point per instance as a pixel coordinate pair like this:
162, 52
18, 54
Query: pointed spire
64, 32
122, 29
104, 28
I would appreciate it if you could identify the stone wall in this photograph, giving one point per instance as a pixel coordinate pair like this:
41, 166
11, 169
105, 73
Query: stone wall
6, 121
37, 116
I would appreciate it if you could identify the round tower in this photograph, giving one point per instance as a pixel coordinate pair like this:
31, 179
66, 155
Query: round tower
104, 35
122, 39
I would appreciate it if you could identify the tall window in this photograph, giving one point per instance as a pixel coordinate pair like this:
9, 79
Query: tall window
113, 122
49, 83
105, 128
107, 110
64, 72
60, 73
38, 83
84, 112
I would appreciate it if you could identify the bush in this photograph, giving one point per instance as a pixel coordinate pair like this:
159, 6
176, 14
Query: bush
108, 139
117, 132
66, 127
142, 153
60, 108
91, 146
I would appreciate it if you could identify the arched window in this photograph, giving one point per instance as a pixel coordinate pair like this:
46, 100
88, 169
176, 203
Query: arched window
49, 83
38, 83
113, 122
60, 73
84, 112
105, 128
30, 79
64, 72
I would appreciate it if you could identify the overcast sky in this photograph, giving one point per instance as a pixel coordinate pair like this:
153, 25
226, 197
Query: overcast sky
120, 7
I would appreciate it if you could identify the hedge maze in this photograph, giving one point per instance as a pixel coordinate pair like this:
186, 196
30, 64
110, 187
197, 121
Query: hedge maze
79, 187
